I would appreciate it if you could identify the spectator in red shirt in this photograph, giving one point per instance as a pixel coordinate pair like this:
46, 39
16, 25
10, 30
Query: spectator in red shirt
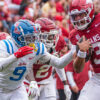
62, 48
3, 17
59, 7
77, 80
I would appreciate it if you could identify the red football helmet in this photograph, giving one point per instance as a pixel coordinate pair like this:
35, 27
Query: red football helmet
81, 13
49, 32
4, 35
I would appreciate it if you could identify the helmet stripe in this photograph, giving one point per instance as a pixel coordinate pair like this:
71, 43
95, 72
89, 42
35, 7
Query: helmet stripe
42, 48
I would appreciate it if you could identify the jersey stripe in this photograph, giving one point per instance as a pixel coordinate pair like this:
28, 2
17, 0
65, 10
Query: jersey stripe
7, 45
11, 46
42, 48
38, 51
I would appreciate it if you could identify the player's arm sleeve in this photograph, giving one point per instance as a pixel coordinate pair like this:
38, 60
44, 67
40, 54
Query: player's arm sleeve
61, 74
70, 78
4, 62
5, 58
64, 60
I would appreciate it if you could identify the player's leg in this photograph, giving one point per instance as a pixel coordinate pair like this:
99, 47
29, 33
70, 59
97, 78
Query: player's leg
48, 92
19, 94
62, 95
5, 96
91, 90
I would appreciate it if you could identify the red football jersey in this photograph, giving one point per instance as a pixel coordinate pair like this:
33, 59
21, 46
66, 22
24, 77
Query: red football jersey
41, 71
92, 33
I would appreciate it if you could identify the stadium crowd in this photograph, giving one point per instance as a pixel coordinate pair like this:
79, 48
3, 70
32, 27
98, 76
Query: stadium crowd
57, 11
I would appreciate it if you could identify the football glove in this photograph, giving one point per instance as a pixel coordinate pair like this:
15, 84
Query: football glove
33, 89
23, 51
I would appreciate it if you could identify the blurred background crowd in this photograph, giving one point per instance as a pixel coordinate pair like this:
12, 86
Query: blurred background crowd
13, 10
57, 10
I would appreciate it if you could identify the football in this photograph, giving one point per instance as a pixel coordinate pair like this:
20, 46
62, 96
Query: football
89, 52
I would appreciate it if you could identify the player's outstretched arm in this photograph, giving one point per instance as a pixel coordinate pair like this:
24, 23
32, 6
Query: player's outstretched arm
64, 60
58, 62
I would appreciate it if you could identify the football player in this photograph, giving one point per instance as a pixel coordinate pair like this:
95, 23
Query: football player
43, 72
86, 24
13, 66
16, 58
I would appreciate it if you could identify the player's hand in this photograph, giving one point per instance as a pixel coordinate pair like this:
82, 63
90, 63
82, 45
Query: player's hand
23, 51
84, 45
75, 89
33, 89
67, 92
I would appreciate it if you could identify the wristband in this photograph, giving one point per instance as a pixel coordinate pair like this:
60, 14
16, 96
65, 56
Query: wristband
81, 54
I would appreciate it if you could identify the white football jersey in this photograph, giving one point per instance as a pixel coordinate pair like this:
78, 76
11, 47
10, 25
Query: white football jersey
13, 75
